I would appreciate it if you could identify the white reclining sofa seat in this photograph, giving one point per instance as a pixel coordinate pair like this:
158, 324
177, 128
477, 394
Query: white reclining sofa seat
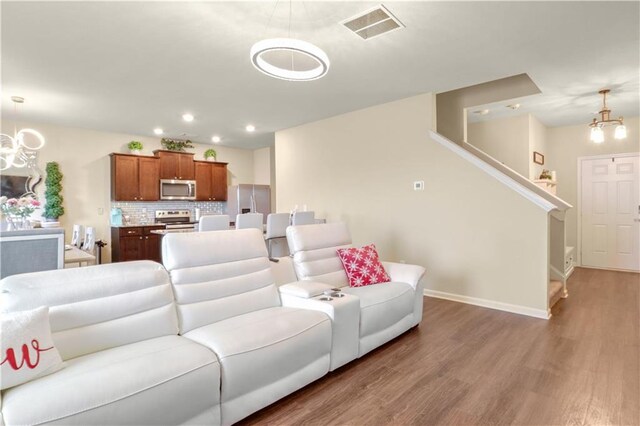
386, 310
228, 301
117, 330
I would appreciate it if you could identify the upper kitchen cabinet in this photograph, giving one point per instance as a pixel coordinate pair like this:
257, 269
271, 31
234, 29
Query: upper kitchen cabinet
176, 165
211, 181
135, 178
219, 178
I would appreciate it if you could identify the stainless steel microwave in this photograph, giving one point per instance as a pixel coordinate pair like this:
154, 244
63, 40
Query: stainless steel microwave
173, 189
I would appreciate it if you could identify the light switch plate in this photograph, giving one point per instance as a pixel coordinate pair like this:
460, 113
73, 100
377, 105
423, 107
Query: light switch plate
418, 185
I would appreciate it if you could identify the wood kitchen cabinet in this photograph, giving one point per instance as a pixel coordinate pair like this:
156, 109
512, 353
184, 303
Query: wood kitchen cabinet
135, 243
211, 181
176, 165
135, 178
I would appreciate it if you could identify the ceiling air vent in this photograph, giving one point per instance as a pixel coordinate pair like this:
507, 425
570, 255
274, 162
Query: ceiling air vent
373, 23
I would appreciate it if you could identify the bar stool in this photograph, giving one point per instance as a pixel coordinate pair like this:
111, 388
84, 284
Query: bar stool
249, 220
303, 218
218, 222
276, 228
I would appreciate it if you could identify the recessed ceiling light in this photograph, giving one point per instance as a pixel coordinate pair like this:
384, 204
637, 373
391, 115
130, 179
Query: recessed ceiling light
158, 131
250, 128
481, 111
513, 106
187, 117
215, 139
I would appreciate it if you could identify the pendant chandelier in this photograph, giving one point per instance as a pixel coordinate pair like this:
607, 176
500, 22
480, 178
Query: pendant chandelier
289, 58
597, 134
14, 151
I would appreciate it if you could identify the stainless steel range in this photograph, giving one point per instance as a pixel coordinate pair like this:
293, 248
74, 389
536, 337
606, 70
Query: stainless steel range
176, 220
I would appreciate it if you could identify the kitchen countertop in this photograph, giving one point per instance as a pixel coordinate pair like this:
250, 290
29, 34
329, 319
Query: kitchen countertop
170, 231
140, 225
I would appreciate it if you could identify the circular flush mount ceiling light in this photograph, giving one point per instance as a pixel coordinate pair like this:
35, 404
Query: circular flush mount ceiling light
215, 139
250, 128
289, 59
158, 131
187, 117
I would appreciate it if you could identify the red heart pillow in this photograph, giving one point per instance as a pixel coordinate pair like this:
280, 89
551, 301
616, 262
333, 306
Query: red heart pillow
363, 266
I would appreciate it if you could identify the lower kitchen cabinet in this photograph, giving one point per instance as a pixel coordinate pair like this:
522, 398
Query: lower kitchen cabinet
135, 243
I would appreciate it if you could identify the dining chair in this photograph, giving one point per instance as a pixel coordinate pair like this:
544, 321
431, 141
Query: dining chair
276, 227
249, 220
303, 218
217, 222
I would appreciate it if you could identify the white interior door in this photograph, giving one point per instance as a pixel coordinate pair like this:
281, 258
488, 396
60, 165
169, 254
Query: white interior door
610, 209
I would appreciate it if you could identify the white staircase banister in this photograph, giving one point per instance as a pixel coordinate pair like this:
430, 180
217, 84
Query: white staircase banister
501, 173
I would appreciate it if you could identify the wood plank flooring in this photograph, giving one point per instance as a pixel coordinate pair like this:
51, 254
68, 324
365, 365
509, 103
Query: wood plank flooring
469, 365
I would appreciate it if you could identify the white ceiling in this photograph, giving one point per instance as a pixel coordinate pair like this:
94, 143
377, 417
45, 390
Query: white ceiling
132, 66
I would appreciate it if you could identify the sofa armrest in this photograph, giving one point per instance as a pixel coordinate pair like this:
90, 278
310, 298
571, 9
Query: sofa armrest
345, 323
304, 289
404, 273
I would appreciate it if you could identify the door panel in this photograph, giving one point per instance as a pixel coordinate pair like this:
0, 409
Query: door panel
149, 177
186, 169
152, 248
124, 178
203, 181
131, 248
219, 182
610, 212
600, 197
624, 240
169, 164
625, 194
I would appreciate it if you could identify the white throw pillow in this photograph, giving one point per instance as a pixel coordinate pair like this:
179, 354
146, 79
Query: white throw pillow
27, 349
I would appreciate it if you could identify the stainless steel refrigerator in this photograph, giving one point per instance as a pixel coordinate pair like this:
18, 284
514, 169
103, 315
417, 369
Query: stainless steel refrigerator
247, 198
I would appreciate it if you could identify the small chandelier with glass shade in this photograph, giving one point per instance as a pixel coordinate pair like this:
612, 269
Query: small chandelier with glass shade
597, 134
14, 150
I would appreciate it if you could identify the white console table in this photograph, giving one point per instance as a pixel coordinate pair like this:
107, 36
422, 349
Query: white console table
75, 255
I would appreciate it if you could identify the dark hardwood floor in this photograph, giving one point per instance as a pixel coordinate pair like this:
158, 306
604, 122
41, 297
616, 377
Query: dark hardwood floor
468, 365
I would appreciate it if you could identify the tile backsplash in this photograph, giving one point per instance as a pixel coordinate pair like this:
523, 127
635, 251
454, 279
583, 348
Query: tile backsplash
141, 213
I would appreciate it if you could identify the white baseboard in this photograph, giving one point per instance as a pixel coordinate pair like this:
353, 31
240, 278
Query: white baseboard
492, 304
568, 274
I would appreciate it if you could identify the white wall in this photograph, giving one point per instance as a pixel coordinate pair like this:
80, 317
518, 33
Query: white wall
505, 139
538, 143
83, 156
476, 237
262, 166
566, 144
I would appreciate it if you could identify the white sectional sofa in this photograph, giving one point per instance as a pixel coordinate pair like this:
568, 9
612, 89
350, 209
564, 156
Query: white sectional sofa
117, 330
386, 310
228, 301
208, 342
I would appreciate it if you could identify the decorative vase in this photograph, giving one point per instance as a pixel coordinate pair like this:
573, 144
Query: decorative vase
212, 159
18, 223
25, 223
12, 223
135, 151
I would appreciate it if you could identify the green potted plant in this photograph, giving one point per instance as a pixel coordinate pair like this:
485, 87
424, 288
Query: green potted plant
210, 154
546, 175
135, 147
53, 208
177, 145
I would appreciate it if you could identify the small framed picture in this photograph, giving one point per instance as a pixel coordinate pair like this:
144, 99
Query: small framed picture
538, 158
